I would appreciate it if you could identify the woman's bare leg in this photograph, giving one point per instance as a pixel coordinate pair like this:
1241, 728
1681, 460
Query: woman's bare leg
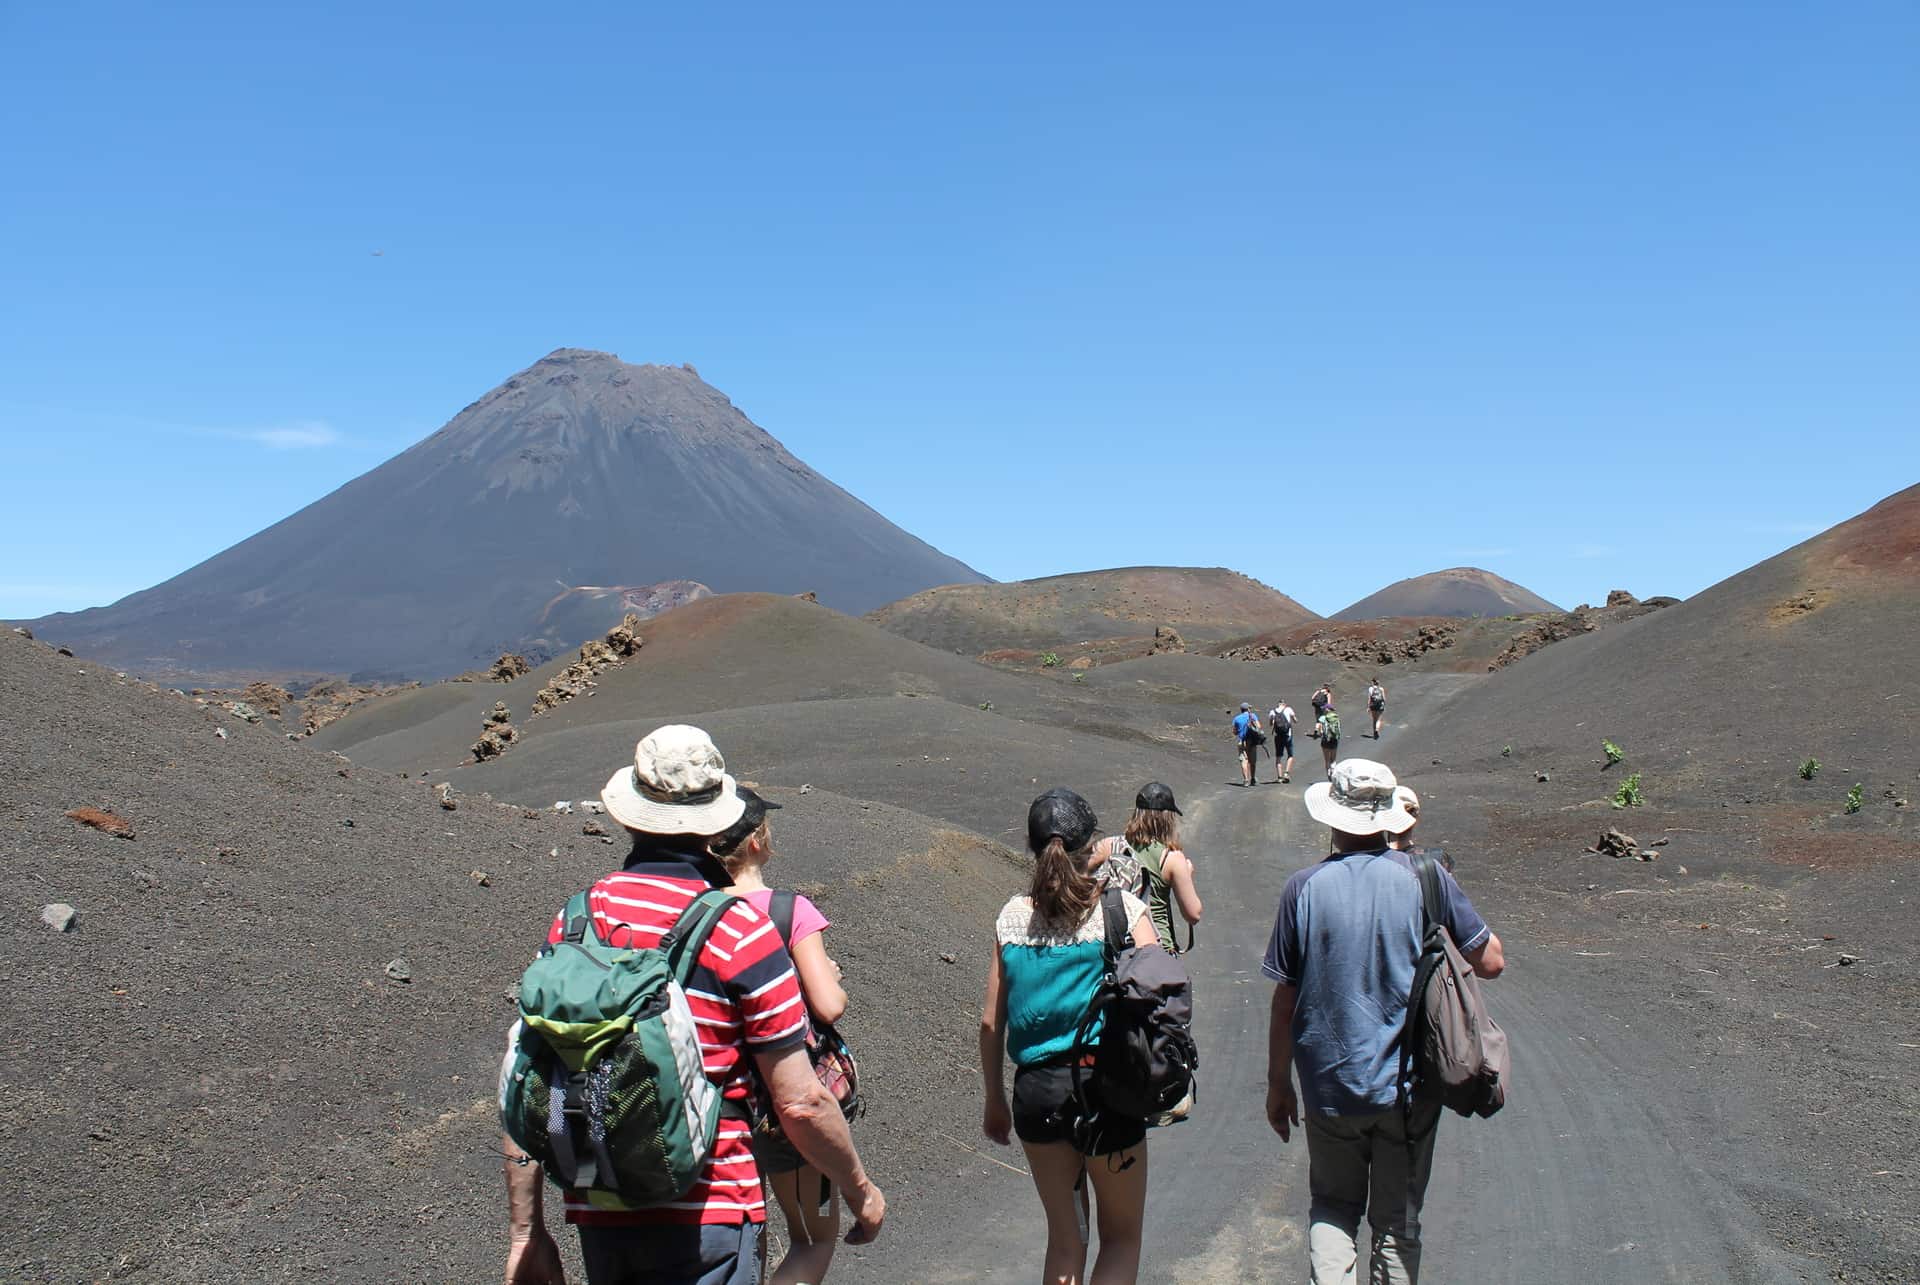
1056, 1173
1120, 1203
811, 1233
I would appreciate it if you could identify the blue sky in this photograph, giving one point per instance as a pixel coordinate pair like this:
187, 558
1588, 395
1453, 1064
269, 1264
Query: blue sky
1615, 297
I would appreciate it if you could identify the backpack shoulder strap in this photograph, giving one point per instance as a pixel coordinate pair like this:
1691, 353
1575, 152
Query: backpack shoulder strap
1427, 871
576, 921
688, 936
1119, 934
780, 910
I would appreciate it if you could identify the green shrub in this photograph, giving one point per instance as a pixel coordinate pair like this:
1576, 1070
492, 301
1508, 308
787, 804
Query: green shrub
1856, 798
1079, 675
1628, 795
1050, 659
1809, 769
1613, 752
1506, 751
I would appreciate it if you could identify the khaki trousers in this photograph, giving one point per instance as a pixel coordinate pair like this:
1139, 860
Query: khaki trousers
1361, 1164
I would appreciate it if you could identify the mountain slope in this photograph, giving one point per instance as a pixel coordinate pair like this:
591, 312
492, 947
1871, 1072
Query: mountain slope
580, 473
1202, 603
1457, 591
1808, 654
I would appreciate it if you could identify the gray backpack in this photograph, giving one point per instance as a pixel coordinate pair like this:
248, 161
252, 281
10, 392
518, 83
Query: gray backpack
1458, 1055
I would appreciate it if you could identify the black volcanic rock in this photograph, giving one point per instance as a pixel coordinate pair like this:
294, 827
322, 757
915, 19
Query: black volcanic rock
1458, 591
578, 478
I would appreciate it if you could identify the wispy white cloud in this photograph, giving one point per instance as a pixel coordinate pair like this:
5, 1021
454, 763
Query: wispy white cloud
303, 435
1592, 551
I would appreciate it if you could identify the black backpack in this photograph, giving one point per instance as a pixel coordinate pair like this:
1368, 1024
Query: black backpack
1141, 1064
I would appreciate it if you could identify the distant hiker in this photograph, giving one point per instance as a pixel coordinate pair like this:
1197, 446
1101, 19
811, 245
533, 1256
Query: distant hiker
1326, 730
1049, 961
805, 1196
1376, 704
746, 1010
1322, 699
1147, 861
1403, 842
1248, 736
1281, 720
1345, 942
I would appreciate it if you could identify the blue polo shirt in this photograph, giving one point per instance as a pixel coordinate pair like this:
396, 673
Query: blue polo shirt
1347, 936
1241, 722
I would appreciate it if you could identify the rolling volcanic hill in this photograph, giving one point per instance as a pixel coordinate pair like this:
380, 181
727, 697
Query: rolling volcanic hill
1806, 655
582, 479
1200, 603
1458, 591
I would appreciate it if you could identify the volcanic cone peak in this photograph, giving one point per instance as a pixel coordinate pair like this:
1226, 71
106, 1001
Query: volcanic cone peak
581, 476
1457, 591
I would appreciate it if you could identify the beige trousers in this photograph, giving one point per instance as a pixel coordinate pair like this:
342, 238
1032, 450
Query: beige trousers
1361, 1164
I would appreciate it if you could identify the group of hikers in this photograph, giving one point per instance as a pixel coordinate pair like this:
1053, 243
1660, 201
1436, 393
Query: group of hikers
676, 1056
1249, 733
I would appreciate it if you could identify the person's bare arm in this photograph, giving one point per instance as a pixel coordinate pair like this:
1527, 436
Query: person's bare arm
819, 978
1179, 868
532, 1256
1283, 1108
1487, 959
1143, 933
814, 1124
997, 1118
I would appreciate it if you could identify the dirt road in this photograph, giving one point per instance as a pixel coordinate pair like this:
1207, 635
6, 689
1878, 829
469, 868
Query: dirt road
1573, 1181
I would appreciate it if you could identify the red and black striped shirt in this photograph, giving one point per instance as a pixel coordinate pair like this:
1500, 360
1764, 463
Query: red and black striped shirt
745, 999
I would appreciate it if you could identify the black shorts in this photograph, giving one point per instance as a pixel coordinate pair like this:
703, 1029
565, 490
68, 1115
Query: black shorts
1044, 1111
1283, 745
1377, 706
774, 1154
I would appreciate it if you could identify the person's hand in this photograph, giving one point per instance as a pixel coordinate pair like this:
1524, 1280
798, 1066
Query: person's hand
535, 1260
998, 1124
1283, 1109
869, 1209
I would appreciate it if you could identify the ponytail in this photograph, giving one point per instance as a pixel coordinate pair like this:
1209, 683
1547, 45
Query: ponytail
1063, 888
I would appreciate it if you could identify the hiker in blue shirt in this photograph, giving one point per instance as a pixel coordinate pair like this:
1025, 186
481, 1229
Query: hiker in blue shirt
1345, 943
1247, 734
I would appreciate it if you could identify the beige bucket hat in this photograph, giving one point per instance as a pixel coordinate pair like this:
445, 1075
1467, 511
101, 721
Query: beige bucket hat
678, 784
1361, 798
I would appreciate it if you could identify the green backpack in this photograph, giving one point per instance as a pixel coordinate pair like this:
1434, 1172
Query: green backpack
603, 1082
1331, 721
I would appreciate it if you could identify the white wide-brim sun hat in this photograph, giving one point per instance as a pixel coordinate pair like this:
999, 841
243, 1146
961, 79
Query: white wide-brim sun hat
1361, 798
678, 784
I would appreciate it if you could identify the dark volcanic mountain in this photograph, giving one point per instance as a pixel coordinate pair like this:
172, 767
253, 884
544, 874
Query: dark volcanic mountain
1458, 591
582, 477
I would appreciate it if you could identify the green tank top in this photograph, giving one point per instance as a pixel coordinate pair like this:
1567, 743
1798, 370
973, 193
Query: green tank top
1152, 859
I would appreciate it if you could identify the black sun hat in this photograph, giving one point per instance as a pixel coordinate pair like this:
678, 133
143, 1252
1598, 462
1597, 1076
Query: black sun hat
1155, 797
1060, 814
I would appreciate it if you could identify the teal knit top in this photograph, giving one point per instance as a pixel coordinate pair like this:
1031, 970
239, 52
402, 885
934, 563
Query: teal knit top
1050, 976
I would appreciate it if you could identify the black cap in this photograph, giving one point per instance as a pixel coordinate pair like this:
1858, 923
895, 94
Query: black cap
755, 802
736, 834
1063, 815
1155, 797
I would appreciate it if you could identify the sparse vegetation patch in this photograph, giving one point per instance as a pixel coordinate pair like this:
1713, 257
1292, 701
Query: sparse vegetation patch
1628, 795
1809, 769
1856, 798
1613, 752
